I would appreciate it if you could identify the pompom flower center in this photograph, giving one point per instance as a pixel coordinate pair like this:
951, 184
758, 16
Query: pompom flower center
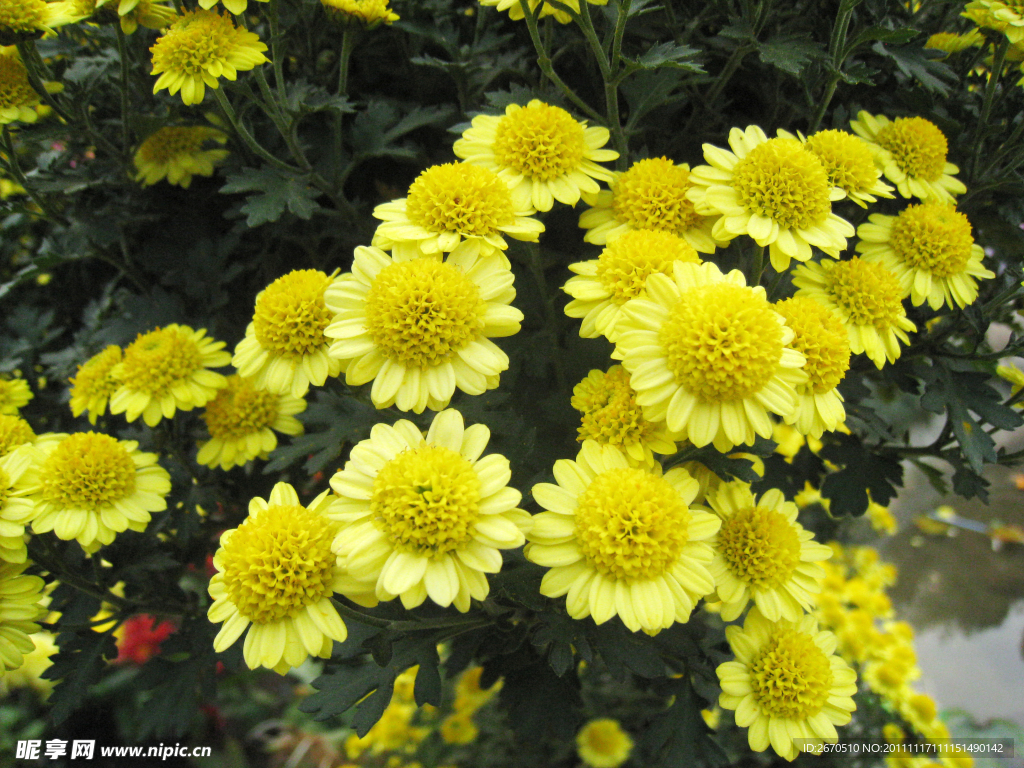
14, 431
278, 562
627, 261
158, 360
427, 500
611, 415
631, 524
89, 471
291, 316
791, 676
651, 194
933, 237
868, 292
173, 141
847, 159
194, 42
821, 338
95, 378
917, 145
459, 197
15, 89
239, 410
722, 342
422, 312
781, 180
539, 141
760, 546
23, 15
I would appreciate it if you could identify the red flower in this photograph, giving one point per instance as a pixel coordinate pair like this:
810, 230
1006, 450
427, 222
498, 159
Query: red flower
141, 639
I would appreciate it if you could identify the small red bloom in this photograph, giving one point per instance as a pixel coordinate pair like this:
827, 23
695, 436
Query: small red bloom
142, 638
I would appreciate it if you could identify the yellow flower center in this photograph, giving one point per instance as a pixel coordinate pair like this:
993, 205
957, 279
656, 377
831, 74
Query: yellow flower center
604, 738
459, 197
291, 316
23, 15
539, 141
240, 410
933, 237
821, 338
15, 89
94, 379
722, 342
847, 159
631, 524
158, 360
627, 261
781, 180
278, 562
422, 312
917, 145
194, 42
172, 142
760, 546
651, 194
89, 471
923, 706
14, 431
427, 500
868, 292
367, 11
791, 676
611, 415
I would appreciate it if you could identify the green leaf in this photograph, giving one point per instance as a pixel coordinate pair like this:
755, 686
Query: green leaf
376, 129
304, 98
624, 651
918, 63
679, 736
274, 193
883, 34
862, 470
668, 54
541, 706
561, 638
78, 665
790, 54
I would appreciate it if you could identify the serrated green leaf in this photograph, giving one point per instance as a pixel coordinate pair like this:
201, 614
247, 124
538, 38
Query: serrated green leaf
915, 62
790, 54
668, 54
679, 736
862, 470
274, 192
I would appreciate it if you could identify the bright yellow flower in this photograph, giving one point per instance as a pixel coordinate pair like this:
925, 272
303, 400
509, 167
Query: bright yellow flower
621, 540
146, 13
14, 395
14, 431
515, 9
420, 327
850, 165
458, 728
36, 661
540, 151
950, 42
237, 7
603, 744
1006, 17
18, 479
176, 153
426, 516
25, 19
94, 383
368, 12
20, 607
18, 99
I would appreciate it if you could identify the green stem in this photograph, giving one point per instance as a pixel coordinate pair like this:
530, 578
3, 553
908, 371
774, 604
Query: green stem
275, 51
620, 31
551, 320
349, 38
986, 107
35, 68
819, 113
247, 138
122, 53
408, 626
15, 169
757, 267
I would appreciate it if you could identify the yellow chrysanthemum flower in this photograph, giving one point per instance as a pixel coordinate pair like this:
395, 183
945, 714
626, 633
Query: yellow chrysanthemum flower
144, 13
241, 420
773, 190
94, 383
18, 480
611, 416
14, 395
199, 47
92, 486
165, 370
29, 19
14, 432
368, 12
237, 7
651, 194
930, 248
540, 151
867, 297
426, 516
285, 349
19, 101
459, 728
176, 153
710, 356
911, 152
35, 662
516, 13
457, 207
603, 744
276, 572
20, 598
419, 327
622, 540
822, 339
950, 42
763, 554
786, 683
602, 286
1006, 17
850, 165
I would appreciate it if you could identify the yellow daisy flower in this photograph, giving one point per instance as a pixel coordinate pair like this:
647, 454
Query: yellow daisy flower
93, 486
786, 683
20, 607
867, 297
1005, 17
241, 420
822, 339
426, 516
199, 47
929, 247
368, 12
651, 194
763, 554
14, 395
911, 152
36, 661
420, 327
540, 151
27, 19
94, 383
145, 13
773, 190
17, 481
622, 540
950, 42
165, 370
453, 205
237, 7
14, 432
611, 416
19, 101
710, 356
515, 9
276, 572
176, 153
602, 743
602, 286
285, 349
850, 165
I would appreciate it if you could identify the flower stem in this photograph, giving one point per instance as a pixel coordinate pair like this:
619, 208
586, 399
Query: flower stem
757, 267
986, 107
275, 50
247, 138
122, 54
